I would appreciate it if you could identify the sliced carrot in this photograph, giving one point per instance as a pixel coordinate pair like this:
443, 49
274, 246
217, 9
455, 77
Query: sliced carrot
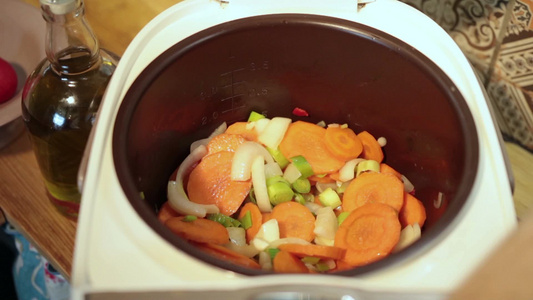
225, 142
335, 176
412, 211
307, 139
285, 262
199, 230
341, 265
373, 187
322, 179
368, 234
243, 129
166, 212
266, 216
210, 183
323, 252
371, 148
229, 255
386, 169
257, 219
294, 220
343, 143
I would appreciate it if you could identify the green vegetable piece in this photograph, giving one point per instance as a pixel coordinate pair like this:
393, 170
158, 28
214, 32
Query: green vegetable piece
254, 116
341, 189
189, 218
342, 216
299, 198
251, 196
272, 252
322, 267
142, 195
366, 166
279, 192
329, 198
278, 157
224, 220
310, 260
246, 220
301, 185
275, 179
303, 166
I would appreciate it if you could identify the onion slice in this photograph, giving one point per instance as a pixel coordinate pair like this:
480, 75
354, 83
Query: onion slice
177, 198
347, 172
219, 130
243, 158
274, 132
259, 185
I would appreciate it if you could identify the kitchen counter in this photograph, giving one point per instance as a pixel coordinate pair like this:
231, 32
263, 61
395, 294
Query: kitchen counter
22, 193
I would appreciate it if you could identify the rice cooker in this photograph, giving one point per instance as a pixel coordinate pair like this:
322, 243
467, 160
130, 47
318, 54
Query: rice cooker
380, 66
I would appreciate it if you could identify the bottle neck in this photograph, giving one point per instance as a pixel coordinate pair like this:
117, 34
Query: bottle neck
71, 46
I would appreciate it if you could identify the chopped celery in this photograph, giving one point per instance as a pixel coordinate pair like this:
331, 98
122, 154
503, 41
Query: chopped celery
254, 116
329, 198
322, 267
246, 220
310, 260
278, 157
224, 220
342, 216
299, 198
301, 185
302, 165
189, 218
367, 165
272, 252
279, 192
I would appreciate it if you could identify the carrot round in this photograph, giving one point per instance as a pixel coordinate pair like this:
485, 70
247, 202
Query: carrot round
343, 143
285, 262
373, 187
324, 252
199, 230
368, 234
210, 183
166, 212
322, 179
307, 139
224, 142
412, 211
371, 148
257, 219
294, 220
229, 255
386, 169
243, 129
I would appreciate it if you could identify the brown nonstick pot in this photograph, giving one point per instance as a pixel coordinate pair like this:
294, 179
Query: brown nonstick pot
338, 71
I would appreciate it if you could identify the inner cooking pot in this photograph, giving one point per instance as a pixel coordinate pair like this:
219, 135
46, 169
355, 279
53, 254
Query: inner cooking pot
338, 71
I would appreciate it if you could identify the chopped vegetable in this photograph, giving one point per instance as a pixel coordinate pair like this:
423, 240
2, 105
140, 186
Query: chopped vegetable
408, 235
254, 116
244, 155
323, 252
412, 211
251, 219
386, 169
373, 188
343, 143
259, 185
347, 172
368, 234
326, 224
229, 255
274, 132
242, 129
272, 252
294, 220
371, 147
291, 173
210, 183
279, 192
300, 112
285, 262
199, 230
368, 165
268, 233
278, 157
224, 220
301, 185
330, 198
166, 212
302, 165
342, 216
189, 218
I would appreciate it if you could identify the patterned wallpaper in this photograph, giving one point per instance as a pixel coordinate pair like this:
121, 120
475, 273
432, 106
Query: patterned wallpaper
497, 37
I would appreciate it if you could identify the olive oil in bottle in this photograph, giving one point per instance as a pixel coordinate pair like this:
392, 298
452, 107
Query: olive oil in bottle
61, 99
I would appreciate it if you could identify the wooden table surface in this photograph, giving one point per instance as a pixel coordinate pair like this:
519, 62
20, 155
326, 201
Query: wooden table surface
22, 194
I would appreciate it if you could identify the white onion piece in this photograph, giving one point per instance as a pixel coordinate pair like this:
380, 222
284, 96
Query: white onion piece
288, 240
272, 169
382, 141
274, 132
323, 241
326, 223
407, 185
219, 130
291, 173
259, 185
265, 261
408, 235
268, 232
347, 172
260, 125
237, 235
177, 198
322, 186
243, 158
312, 206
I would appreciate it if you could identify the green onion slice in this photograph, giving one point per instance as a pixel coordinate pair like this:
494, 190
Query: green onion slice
246, 220
302, 165
254, 116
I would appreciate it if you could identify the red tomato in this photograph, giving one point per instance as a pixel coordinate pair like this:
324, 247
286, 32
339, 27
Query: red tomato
8, 81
